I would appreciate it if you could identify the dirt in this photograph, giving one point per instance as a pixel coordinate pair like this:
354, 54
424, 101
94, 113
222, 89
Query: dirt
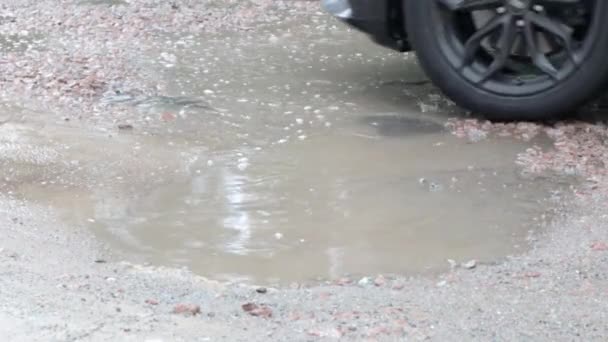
61, 282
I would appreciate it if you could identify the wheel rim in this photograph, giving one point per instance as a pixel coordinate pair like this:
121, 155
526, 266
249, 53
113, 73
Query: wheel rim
516, 47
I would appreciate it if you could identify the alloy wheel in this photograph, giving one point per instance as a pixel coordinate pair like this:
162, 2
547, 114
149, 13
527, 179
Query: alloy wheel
516, 47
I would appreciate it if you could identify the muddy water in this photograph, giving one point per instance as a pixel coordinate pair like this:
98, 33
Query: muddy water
284, 154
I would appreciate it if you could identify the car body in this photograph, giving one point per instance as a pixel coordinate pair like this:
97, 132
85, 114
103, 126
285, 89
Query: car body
506, 59
382, 20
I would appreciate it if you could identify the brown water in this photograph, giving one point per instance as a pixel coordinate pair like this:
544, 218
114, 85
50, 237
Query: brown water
291, 154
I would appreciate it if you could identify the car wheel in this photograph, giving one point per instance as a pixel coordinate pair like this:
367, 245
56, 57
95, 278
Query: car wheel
512, 59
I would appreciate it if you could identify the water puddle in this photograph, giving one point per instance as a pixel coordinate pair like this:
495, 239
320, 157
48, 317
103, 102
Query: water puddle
353, 202
272, 162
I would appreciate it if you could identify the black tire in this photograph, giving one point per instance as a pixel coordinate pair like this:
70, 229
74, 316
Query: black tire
587, 78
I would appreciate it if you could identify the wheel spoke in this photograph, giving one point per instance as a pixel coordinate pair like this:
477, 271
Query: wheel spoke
473, 44
505, 45
470, 5
539, 59
557, 29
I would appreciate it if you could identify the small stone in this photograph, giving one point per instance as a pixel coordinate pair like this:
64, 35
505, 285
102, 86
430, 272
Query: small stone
100, 261
110, 279
261, 290
469, 265
167, 116
398, 286
379, 281
599, 246
476, 135
363, 281
435, 187
531, 274
125, 127
257, 310
208, 92
343, 281
278, 236
187, 309
442, 283
151, 302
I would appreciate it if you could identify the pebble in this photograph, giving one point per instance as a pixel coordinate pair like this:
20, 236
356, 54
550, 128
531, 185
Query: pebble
471, 264
363, 281
343, 281
187, 309
257, 310
599, 246
398, 286
379, 281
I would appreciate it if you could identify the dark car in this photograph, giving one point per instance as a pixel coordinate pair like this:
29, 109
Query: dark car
506, 59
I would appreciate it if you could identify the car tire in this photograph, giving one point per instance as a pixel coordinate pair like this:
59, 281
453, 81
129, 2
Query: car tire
586, 75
